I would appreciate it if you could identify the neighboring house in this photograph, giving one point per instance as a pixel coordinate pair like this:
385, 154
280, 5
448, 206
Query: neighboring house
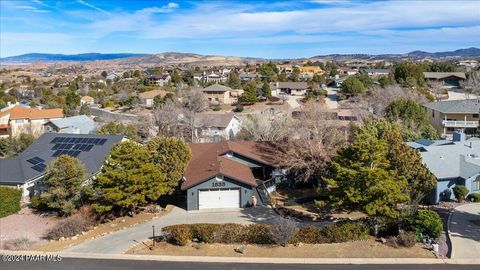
449, 79
27, 93
159, 79
248, 77
311, 69
215, 127
27, 170
87, 100
347, 70
112, 76
226, 174
289, 88
215, 77
220, 94
376, 72
455, 162
287, 68
80, 124
18, 119
147, 98
454, 115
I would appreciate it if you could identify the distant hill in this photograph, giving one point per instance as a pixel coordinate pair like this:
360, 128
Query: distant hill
47, 57
469, 52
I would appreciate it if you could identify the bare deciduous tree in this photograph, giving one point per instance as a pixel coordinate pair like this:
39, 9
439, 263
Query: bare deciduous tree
437, 88
471, 86
265, 126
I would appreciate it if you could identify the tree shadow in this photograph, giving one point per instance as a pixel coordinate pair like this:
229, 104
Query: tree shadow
465, 225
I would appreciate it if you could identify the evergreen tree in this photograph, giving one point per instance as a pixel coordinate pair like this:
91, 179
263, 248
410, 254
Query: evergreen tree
352, 86
63, 181
171, 155
267, 91
129, 179
112, 128
249, 95
85, 110
234, 80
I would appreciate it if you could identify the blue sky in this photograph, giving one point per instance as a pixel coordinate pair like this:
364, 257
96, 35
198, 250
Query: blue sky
270, 29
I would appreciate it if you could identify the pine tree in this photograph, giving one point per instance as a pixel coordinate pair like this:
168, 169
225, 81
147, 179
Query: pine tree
249, 95
267, 91
129, 179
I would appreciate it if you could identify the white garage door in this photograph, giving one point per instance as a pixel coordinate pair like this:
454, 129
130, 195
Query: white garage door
219, 198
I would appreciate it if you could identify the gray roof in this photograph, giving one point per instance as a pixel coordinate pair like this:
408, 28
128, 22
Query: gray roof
455, 106
80, 124
289, 85
213, 119
448, 159
217, 88
19, 170
442, 75
377, 70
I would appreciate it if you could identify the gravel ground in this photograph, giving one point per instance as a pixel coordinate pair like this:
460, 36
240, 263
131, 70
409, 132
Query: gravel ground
25, 224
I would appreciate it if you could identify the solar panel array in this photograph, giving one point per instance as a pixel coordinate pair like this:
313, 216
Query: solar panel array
71, 146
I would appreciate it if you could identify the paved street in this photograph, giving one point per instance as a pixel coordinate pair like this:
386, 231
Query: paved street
331, 99
118, 242
91, 264
465, 231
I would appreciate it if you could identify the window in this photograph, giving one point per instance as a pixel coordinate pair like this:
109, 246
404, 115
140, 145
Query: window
476, 184
475, 115
19, 121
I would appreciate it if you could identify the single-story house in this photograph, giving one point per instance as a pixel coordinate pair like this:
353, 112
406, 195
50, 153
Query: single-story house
289, 88
87, 100
27, 170
215, 127
221, 94
146, 98
248, 77
376, 72
79, 124
226, 174
449, 79
455, 162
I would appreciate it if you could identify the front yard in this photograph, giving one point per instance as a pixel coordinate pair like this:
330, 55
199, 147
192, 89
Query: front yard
358, 249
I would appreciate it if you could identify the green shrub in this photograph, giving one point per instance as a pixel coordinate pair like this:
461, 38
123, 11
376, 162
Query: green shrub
345, 231
9, 201
427, 223
230, 234
258, 234
474, 197
310, 235
71, 226
204, 232
460, 192
178, 234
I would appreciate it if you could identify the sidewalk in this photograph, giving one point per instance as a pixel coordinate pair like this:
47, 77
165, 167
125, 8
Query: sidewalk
464, 231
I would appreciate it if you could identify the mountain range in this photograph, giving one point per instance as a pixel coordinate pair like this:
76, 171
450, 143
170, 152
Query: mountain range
185, 58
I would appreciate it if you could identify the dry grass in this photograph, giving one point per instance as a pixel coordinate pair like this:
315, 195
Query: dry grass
358, 249
102, 229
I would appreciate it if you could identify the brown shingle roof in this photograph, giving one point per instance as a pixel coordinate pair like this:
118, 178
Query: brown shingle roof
208, 160
213, 119
87, 98
19, 112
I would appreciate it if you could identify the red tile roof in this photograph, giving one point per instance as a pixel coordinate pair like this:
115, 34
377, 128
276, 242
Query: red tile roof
19, 112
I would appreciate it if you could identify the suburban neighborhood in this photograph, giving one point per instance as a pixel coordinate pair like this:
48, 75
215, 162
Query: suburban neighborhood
288, 161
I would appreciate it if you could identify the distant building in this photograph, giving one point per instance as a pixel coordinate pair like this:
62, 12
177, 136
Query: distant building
347, 71
87, 100
376, 72
454, 115
18, 119
159, 79
147, 98
220, 94
248, 77
289, 88
455, 162
80, 124
215, 127
449, 79
311, 69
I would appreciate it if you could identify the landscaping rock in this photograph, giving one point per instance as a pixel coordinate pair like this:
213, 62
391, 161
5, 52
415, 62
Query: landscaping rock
123, 221
113, 225
62, 238
383, 240
241, 249
74, 238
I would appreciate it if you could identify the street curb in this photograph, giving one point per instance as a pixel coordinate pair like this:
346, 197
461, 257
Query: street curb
250, 260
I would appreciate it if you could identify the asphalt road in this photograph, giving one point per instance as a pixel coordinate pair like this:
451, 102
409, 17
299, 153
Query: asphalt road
91, 264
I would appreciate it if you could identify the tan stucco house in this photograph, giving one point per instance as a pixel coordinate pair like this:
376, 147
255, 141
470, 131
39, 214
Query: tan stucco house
19, 119
220, 94
454, 115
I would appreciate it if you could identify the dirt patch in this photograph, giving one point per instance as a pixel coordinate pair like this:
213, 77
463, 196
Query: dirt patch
358, 249
101, 230
26, 224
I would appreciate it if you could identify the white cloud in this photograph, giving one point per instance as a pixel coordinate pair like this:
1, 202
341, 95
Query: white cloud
32, 9
38, 2
92, 6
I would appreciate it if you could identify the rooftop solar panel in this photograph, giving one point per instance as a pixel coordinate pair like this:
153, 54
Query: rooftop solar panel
33, 161
57, 153
61, 139
39, 167
95, 141
77, 146
55, 140
88, 147
102, 141
84, 140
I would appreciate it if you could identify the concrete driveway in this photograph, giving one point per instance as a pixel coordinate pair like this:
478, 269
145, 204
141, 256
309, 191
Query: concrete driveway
118, 242
464, 231
331, 99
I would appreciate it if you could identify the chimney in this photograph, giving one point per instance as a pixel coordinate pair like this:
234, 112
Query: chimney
458, 136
